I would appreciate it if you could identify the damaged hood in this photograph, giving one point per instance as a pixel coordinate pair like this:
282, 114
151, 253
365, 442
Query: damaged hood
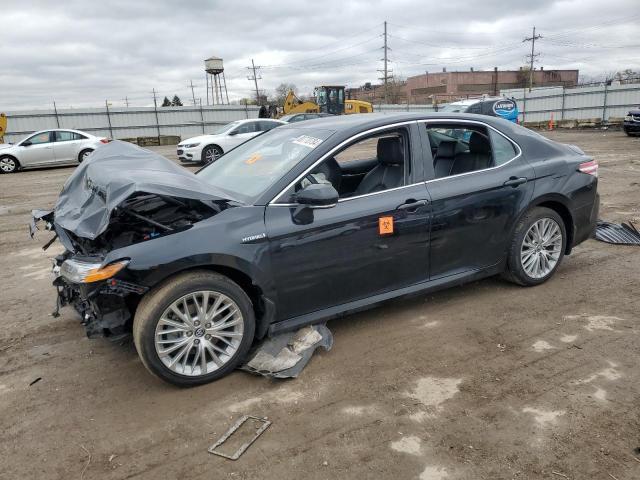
111, 175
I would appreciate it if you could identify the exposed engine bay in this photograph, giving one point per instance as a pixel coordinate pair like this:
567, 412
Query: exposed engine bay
144, 217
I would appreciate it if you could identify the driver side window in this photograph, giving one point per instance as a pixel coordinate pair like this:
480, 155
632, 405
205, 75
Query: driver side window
372, 164
40, 138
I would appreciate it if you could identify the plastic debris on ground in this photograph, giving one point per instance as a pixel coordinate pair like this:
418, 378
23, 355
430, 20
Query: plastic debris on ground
286, 355
620, 234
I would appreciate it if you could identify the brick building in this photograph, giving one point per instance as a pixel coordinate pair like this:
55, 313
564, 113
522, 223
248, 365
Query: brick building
448, 86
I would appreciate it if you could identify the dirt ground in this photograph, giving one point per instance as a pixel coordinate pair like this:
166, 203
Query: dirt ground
485, 381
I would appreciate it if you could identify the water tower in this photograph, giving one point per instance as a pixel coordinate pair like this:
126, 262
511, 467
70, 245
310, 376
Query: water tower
215, 76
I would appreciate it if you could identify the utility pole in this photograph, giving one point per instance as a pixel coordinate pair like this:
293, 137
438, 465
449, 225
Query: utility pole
533, 55
106, 104
386, 70
155, 109
126, 101
193, 95
255, 78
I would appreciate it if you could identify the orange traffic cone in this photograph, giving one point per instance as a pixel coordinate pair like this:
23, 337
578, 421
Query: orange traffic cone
551, 122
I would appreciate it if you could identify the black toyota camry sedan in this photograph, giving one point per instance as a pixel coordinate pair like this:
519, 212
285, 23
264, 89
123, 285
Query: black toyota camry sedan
306, 222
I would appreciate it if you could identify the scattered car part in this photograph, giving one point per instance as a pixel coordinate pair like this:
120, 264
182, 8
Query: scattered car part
264, 424
619, 234
285, 355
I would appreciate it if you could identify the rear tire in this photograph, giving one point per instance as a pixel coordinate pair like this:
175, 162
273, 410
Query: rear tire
537, 247
9, 165
84, 154
202, 350
211, 153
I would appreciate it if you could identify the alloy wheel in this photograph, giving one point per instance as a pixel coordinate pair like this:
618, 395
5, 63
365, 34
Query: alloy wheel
212, 154
85, 154
541, 247
7, 164
199, 333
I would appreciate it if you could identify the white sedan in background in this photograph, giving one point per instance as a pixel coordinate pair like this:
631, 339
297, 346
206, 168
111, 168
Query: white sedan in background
48, 147
207, 148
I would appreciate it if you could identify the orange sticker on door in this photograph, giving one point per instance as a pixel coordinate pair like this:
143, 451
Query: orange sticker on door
385, 225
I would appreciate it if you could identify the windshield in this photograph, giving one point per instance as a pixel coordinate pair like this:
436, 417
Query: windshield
253, 167
452, 107
224, 128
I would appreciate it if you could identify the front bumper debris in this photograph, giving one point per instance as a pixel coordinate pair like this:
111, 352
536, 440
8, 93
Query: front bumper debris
103, 307
285, 355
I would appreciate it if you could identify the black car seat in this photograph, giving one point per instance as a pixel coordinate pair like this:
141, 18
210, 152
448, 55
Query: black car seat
445, 156
477, 158
389, 173
331, 171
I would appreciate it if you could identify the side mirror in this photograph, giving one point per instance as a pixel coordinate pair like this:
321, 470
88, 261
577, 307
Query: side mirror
25, 144
233, 132
318, 195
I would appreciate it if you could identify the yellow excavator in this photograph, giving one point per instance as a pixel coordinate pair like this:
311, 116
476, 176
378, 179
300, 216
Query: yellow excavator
330, 99
3, 126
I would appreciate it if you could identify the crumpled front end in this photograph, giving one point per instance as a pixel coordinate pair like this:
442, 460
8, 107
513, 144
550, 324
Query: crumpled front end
106, 206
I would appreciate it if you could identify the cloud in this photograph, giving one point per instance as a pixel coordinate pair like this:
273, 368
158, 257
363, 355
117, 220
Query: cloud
83, 52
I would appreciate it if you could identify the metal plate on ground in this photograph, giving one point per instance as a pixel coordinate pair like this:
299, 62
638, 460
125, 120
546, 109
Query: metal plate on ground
620, 234
285, 355
261, 423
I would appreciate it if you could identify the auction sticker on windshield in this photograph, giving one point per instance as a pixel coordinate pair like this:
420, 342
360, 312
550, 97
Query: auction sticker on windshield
253, 158
307, 141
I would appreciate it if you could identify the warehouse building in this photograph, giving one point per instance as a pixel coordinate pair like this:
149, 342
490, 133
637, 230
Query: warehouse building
448, 86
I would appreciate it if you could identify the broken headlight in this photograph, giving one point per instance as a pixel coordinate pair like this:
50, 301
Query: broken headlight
78, 271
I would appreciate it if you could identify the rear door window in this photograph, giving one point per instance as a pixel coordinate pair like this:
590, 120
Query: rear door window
503, 149
64, 136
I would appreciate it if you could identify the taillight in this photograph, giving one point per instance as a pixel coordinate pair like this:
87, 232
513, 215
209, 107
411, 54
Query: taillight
104, 140
590, 168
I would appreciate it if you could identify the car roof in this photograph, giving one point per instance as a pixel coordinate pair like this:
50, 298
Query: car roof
62, 130
246, 120
363, 121
345, 126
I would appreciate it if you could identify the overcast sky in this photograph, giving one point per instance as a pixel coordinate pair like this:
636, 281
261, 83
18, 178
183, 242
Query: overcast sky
82, 52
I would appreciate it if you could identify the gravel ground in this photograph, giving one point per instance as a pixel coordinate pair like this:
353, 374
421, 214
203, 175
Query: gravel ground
484, 381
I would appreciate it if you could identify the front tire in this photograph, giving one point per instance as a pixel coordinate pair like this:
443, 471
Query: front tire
194, 328
211, 153
537, 247
9, 165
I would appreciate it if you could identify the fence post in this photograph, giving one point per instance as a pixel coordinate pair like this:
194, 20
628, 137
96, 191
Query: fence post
524, 104
55, 109
604, 105
562, 107
106, 104
202, 116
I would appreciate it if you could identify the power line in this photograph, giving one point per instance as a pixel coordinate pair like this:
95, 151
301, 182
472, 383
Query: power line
533, 55
303, 62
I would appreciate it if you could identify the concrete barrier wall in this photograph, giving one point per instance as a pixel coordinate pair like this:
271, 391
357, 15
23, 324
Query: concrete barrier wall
133, 122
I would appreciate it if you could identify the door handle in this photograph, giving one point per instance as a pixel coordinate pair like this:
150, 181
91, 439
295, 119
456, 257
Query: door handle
413, 205
515, 181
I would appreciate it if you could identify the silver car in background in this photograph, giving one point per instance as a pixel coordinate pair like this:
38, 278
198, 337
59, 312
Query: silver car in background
48, 147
